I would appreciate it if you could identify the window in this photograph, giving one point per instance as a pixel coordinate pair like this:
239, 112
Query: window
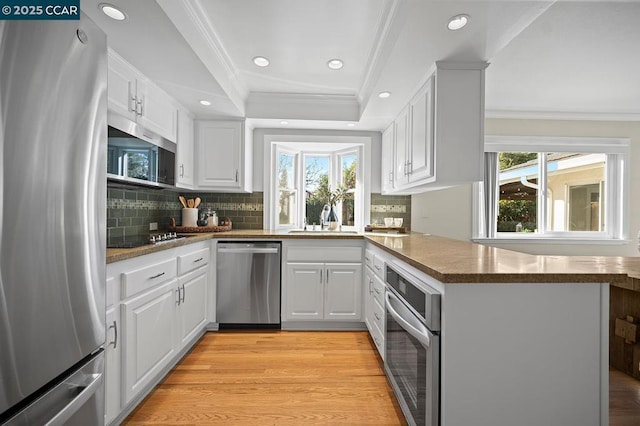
562, 188
301, 176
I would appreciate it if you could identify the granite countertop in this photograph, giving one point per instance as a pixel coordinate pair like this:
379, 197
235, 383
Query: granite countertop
454, 261
118, 254
451, 261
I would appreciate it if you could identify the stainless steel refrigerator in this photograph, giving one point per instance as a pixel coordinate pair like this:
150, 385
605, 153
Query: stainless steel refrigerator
53, 109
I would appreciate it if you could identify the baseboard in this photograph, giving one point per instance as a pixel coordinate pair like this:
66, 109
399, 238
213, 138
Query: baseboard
323, 326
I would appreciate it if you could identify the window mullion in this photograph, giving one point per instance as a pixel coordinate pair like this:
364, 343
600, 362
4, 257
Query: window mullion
542, 213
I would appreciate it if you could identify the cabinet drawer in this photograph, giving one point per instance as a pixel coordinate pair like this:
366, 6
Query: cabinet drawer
378, 339
194, 260
378, 266
379, 288
324, 254
378, 315
368, 258
147, 277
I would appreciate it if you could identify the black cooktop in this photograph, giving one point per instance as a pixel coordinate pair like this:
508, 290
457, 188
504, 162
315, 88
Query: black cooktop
132, 241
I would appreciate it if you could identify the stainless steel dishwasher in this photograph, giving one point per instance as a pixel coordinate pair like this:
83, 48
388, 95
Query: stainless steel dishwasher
248, 285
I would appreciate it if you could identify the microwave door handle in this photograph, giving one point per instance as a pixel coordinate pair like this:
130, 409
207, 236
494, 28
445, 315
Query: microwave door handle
421, 335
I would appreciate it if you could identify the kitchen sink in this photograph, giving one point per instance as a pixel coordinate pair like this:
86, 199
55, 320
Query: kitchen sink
321, 232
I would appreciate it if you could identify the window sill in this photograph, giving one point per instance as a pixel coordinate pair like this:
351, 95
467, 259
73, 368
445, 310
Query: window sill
552, 240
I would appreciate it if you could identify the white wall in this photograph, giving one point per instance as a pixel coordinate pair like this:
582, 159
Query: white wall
444, 212
259, 160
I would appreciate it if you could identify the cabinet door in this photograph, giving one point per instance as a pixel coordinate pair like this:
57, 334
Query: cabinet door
304, 291
193, 305
420, 164
184, 156
402, 140
121, 87
148, 336
219, 151
112, 365
368, 297
156, 110
343, 293
388, 159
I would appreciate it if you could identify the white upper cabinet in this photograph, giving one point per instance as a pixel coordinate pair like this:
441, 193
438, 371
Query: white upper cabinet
135, 97
388, 158
185, 150
439, 135
224, 156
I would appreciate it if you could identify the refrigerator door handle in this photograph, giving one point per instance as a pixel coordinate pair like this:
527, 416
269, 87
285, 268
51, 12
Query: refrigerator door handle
85, 392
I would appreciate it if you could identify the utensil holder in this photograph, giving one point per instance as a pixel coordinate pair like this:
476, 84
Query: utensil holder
189, 217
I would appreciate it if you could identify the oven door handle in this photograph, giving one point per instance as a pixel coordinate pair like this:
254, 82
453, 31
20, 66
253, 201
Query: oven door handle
413, 327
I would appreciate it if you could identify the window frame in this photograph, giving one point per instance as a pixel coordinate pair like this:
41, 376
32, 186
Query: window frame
303, 145
616, 193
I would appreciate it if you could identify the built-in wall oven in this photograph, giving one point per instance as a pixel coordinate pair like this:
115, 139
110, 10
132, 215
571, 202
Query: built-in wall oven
412, 339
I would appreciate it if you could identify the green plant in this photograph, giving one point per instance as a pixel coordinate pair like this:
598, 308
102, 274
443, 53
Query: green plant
324, 194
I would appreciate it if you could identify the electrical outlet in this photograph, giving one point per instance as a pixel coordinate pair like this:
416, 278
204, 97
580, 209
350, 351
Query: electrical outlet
153, 226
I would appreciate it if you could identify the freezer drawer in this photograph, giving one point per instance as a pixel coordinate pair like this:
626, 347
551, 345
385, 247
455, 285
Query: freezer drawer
77, 399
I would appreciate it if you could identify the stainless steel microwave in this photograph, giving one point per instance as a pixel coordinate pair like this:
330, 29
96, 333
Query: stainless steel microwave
137, 156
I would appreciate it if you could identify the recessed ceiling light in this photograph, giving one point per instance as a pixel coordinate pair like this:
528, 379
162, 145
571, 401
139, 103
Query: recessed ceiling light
351, 124
335, 64
261, 61
384, 95
284, 123
112, 12
205, 102
458, 22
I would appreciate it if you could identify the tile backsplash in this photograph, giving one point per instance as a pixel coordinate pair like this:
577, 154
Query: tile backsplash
129, 211
391, 206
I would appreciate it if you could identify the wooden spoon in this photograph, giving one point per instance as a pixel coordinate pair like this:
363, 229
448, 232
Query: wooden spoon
183, 201
190, 203
197, 202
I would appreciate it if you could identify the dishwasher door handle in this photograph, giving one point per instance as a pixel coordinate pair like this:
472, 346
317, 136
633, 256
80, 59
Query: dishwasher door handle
248, 250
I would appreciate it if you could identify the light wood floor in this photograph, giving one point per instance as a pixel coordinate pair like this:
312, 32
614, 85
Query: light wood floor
293, 378
274, 378
624, 399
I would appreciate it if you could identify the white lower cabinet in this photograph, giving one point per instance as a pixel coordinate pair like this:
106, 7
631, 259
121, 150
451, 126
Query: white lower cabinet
319, 291
148, 332
192, 310
157, 307
322, 282
374, 286
112, 353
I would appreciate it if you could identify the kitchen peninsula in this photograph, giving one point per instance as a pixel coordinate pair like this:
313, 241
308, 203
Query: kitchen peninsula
534, 327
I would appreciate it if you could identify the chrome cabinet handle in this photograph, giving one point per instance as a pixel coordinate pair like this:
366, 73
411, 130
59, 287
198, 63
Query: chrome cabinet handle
132, 99
114, 326
370, 286
320, 276
236, 176
198, 260
390, 177
377, 267
139, 110
327, 276
375, 314
183, 293
376, 290
181, 170
409, 168
157, 276
178, 293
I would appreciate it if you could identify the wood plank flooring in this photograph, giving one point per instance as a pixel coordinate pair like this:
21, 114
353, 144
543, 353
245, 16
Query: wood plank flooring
624, 399
274, 378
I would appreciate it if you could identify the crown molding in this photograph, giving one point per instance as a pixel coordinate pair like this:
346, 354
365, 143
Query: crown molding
190, 19
390, 23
